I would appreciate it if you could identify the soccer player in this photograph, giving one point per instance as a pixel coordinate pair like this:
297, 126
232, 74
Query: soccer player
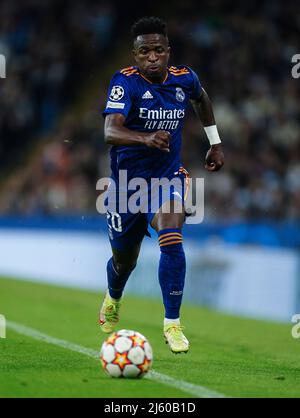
144, 118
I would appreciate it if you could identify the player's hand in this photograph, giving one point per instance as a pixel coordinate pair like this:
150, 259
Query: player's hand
214, 158
159, 139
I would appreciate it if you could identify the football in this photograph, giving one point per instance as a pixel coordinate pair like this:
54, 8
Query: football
126, 353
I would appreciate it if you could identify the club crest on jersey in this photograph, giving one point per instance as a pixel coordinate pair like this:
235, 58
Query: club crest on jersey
180, 95
117, 93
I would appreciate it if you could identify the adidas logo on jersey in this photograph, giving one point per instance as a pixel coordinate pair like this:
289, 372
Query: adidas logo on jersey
147, 95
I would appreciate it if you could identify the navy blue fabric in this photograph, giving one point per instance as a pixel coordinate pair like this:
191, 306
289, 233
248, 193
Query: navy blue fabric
149, 107
128, 229
116, 282
172, 269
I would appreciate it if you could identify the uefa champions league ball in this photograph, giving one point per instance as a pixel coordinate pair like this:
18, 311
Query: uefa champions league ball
126, 354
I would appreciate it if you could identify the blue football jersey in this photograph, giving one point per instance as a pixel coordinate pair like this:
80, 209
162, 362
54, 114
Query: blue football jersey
150, 107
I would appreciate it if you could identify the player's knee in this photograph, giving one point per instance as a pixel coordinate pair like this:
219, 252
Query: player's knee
163, 221
124, 268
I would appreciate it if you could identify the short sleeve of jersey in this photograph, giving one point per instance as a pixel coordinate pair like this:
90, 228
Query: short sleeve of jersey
119, 97
196, 87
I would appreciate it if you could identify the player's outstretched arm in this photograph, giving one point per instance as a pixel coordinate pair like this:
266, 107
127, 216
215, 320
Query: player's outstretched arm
115, 133
203, 108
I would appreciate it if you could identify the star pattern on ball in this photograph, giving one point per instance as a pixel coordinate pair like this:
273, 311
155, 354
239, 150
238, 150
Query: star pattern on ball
137, 341
121, 360
111, 339
126, 353
145, 366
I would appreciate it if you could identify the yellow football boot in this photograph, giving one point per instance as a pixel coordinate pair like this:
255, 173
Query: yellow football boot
109, 314
176, 339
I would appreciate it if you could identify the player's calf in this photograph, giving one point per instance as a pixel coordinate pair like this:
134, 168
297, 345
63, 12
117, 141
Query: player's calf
117, 277
172, 269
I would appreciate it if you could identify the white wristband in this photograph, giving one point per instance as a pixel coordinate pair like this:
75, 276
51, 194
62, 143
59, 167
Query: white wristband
212, 134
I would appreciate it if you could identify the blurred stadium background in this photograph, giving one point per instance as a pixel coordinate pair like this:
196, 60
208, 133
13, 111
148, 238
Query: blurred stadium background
244, 258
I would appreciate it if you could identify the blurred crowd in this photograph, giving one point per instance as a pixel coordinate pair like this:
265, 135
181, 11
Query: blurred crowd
50, 48
242, 53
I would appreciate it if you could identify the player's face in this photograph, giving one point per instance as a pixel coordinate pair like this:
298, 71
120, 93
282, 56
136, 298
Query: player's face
151, 53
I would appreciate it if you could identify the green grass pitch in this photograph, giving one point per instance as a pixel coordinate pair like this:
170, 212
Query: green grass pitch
233, 356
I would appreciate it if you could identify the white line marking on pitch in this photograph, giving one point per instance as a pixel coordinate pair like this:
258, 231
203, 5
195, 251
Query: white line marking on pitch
196, 390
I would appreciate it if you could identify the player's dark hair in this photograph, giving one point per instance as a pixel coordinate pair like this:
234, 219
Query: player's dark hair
147, 25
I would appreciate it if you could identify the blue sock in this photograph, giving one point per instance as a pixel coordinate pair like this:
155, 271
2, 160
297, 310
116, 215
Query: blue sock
171, 271
116, 281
